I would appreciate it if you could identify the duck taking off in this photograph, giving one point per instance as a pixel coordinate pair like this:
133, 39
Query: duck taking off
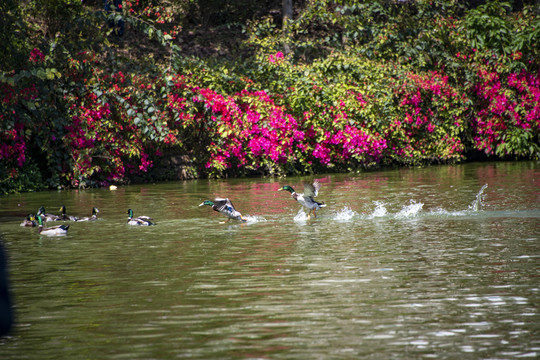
307, 198
139, 221
53, 230
225, 207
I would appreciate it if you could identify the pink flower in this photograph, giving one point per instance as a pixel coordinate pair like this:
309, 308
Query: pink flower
275, 58
36, 56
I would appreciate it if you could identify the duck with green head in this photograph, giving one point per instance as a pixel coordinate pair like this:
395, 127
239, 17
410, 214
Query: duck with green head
29, 221
67, 217
47, 217
225, 207
307, 198
139, 221
94, 217
53, 230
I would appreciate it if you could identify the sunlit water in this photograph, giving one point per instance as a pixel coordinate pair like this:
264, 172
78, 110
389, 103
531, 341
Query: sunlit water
400, 264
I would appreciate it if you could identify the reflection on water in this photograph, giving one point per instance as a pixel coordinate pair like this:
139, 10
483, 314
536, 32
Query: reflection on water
407, 263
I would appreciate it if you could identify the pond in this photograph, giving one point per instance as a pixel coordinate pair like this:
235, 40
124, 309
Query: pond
438, 262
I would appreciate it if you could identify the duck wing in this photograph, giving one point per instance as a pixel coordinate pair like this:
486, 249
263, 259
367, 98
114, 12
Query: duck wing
222, 204
312, 190
138, 221
144, 220
56, 229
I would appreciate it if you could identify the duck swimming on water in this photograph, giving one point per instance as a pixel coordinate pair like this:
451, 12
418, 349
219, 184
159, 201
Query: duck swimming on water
139, 221
53, 230
94, 217
67, 217
29, 221
47, 217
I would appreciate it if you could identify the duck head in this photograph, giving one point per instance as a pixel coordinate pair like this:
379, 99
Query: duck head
286, 188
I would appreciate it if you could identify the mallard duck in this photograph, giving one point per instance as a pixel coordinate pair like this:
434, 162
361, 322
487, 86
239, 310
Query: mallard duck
29, 221
95, 210
47, 217
307, 198
53, 230
226, 208
67, 217
138, 221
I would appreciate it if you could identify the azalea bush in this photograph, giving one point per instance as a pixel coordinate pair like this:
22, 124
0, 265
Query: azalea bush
79, 114
507, 121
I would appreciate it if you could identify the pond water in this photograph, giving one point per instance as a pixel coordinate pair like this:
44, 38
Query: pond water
408, 263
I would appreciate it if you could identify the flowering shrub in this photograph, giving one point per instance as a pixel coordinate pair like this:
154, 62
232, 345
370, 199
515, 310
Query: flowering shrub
84, 120
36, 56
507, 122
115, 126
13, 145
430, 122
246, 130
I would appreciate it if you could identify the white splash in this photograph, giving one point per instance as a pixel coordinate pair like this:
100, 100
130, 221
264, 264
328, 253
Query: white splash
345, 214
380, 210
477, 203
410, 210
301, 217
252, 219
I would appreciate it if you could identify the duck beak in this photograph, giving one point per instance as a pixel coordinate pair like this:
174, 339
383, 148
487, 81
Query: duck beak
201, 204
280, 189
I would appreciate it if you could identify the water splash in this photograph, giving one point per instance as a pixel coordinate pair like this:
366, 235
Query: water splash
345, 214
380, 210
301, 217
251, 219
410, 210
476, 205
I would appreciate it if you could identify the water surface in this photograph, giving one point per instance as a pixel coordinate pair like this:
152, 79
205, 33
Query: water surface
409, 263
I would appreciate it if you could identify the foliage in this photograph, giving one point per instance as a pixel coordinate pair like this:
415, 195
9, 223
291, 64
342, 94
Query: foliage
365, 84
13, 48
507, 122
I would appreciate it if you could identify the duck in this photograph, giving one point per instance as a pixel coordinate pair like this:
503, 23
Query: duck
67, 217
53, 230
307, 198
95, 211
47, 217
139, 221
29, 221
225, 207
